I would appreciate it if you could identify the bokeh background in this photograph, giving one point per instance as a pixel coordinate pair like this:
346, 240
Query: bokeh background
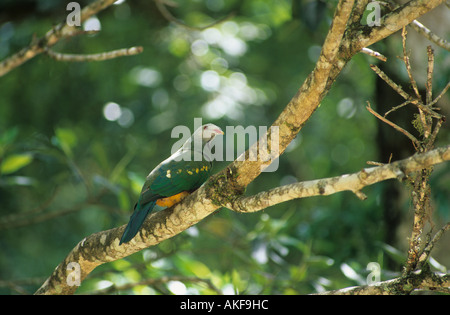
78, 139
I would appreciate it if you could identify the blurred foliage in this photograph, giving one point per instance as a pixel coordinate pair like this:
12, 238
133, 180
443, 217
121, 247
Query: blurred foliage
78, 139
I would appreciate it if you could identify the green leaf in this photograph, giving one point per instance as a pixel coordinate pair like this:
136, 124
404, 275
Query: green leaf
15, 162
199, 269
66, 139
236, 281
188, 266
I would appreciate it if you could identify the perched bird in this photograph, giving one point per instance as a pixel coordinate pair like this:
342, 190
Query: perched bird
174, 178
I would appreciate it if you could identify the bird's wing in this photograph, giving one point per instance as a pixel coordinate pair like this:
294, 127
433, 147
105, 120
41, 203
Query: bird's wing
173, 176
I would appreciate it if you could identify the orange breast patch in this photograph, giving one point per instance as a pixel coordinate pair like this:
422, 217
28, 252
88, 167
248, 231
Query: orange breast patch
170, 201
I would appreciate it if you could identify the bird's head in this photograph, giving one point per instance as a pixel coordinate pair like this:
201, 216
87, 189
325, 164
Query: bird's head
209, 131
201, 137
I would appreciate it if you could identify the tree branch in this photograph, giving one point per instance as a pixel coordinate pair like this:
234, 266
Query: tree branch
95, 57
423, 30
160, 4
428, 248
362, 36
393, 125
348, 182
422, 280
58, 32
373, 53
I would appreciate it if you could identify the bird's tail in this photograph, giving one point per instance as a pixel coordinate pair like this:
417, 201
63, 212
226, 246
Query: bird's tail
136, 220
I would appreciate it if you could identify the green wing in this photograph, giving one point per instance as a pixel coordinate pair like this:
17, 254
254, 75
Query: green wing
173, 176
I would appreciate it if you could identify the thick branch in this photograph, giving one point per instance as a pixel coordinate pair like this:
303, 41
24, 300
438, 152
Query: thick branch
364, 36
422, 29
349, 182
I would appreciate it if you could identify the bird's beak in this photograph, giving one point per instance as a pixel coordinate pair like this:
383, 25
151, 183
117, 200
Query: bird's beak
219, 131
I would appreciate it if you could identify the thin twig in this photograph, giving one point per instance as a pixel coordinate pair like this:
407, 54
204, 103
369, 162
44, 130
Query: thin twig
429, 247
168, 16
396, 107
375, 163
440, 95
395, 126
379, 163
423, 30
430, 68
402, 93
423, 119
373, 53
397, 88
428, 125
408, 65
95, 57
432, 138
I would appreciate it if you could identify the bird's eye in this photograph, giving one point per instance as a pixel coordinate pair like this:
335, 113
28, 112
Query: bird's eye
204, 128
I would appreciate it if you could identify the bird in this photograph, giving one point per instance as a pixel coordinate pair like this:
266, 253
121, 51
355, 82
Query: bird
174, 178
